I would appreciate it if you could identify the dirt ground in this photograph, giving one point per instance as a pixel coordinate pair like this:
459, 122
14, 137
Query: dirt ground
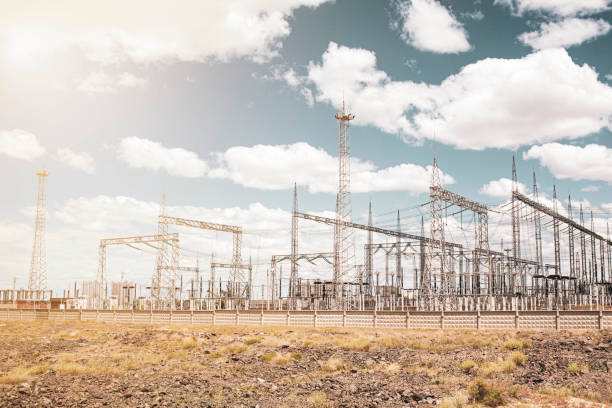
83, 364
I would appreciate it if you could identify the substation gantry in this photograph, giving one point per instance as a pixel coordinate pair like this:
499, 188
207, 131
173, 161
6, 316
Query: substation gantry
167, 284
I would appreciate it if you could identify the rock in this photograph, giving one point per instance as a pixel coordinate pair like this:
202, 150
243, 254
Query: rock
261, 380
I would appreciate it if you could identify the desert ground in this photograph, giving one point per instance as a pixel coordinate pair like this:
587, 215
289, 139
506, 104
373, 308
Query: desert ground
78, 364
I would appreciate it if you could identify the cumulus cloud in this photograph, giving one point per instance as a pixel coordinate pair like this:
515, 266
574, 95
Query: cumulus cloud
591, 162
501, 188
82, 161
590, 189
556, 7
162, 31
20, 144
276, 167
543, 97
101, 82
429, 26
144, 153
565, 33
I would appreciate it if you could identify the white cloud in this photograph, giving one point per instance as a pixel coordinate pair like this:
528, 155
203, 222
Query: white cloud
101, 82
276, 167
590, 189
565, 33
557, 7
82, 161
429, 26
20, 144
543, 97
607, 207
144, 153
591, 162
144, 31
501, 188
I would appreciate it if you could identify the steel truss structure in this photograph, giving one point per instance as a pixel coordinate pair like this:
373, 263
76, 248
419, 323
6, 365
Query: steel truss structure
163, 292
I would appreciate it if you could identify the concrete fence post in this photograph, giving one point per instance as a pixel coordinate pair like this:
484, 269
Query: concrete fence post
557, 319
214, 317
151, 316
132, 315
344, 318
287, 318
374, 322
516, 319
64, 314
97, 315
314, 320
478, 320
20, 314
170, 316
261, 317
600, 320
81, 314
442, 319
407, 319
114, 315
237, 321
191, 317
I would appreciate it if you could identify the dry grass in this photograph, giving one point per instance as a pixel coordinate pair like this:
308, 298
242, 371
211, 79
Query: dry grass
354, 344
467, 365
252, 340
517, 358
21, 374
460, 400
486, 393
517, 344
319, 400
280, 359
233, 349
190, 343
332, 365
575, 368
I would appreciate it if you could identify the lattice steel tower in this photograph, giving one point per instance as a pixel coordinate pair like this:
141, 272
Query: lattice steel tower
38, 264
344, 251
436, 254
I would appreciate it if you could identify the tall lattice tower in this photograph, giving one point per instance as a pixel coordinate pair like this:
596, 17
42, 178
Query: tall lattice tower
436, 254
162, 262
38, 264
344, 250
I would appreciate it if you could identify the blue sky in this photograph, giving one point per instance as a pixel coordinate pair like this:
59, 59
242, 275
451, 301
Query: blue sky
223, 105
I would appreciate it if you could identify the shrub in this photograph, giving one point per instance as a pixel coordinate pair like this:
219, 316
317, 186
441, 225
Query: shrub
517, 358
517, 344
319, 400
459, 400
333, 364
252, 340
189, 343
467, 365
485, 393
575, 368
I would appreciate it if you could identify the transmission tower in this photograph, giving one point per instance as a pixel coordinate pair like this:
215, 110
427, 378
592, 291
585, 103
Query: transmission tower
437, 244
343, 240
38, 264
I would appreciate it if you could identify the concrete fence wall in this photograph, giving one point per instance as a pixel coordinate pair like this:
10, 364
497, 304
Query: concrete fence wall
536, 320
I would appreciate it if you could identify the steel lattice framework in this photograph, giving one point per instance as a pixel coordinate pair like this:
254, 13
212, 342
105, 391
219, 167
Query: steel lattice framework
38, 263
161, 290
344, 247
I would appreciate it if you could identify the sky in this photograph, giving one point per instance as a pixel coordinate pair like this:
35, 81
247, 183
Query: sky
223, 106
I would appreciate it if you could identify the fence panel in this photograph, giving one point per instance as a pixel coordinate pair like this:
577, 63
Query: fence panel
537, 320
326, 318
576, 320
249, 317
425, 320
275, 318
497, 320
460, 320
225, 317
606, 319
301, 318
359, 319
391, 320
203, 317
